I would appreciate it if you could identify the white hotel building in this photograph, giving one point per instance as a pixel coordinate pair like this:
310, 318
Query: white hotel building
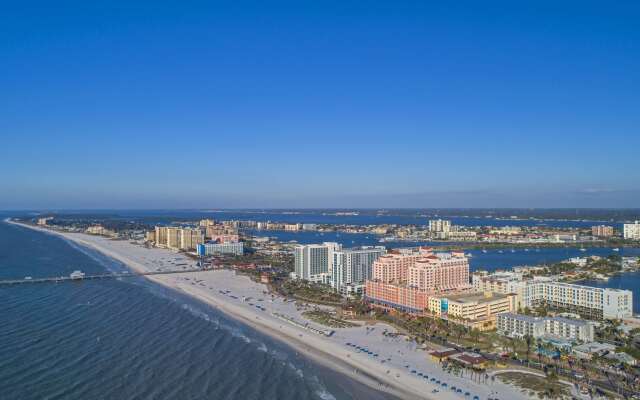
313, 262
352, 267
589, 302
631, 231
518, 325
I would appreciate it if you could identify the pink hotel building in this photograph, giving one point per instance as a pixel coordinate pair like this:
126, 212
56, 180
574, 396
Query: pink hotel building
404, 279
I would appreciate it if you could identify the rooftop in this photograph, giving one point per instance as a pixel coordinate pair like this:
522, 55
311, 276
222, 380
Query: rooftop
477, 297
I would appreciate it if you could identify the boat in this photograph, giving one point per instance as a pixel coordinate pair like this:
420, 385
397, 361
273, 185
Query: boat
76, 275
469, 255
583, 249
513, 251
526, 249
616, 249
500, 251
484, 251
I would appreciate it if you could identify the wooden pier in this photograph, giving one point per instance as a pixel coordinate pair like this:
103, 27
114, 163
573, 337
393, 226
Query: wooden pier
59, 279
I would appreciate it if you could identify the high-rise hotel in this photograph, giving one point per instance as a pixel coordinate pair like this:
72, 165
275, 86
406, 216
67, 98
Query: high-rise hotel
352, 267
312, 262
404, 279
346, 270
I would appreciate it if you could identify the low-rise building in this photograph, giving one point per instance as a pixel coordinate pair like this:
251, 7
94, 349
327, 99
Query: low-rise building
475, 310
588, 350
100, 230
518, 325
500, 282
208, 249
589, 302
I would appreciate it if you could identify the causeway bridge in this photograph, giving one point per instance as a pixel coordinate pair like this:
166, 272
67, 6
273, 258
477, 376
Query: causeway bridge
60, 279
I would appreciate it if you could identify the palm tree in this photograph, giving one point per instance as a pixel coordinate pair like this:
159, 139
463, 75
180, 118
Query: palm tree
475, 335
528, 340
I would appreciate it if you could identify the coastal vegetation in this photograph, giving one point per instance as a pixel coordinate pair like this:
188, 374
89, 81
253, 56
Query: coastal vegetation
537, 386
309, 292
327, 319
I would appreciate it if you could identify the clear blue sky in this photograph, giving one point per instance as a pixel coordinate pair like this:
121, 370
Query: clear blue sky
128, 104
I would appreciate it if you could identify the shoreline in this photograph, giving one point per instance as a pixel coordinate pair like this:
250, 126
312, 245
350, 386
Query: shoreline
319, 356
392, 378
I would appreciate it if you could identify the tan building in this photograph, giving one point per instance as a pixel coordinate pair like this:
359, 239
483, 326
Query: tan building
150, 236
161, 236
100, 230
501, 282
207, 222
602, 231
440, 272
173, 237
474, 310
43, 221
393, 267
190, 238
177, 238
213, 231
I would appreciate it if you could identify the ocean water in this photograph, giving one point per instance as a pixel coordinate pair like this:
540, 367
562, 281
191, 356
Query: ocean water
132, 339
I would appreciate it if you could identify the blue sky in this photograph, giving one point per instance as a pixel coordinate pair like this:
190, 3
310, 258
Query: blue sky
108, 104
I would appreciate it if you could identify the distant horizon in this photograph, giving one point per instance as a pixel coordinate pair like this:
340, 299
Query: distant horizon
214, 209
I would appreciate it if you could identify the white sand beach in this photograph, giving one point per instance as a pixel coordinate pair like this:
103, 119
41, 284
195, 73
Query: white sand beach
396, 366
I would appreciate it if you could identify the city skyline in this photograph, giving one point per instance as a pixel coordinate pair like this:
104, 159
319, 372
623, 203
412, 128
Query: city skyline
332, 105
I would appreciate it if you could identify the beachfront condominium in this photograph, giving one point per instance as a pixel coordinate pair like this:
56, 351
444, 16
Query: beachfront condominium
439, 225
602, 231
352, 267
173, 237
589, 302
518, 325
160, 237
313, 262
178, 238
190, 238
631, 231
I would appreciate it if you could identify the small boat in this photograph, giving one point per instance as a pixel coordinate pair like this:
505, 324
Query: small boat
526, 249
76, 275
469, 255
583, 249
616, 249
500, 251
484, 251
513, 251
